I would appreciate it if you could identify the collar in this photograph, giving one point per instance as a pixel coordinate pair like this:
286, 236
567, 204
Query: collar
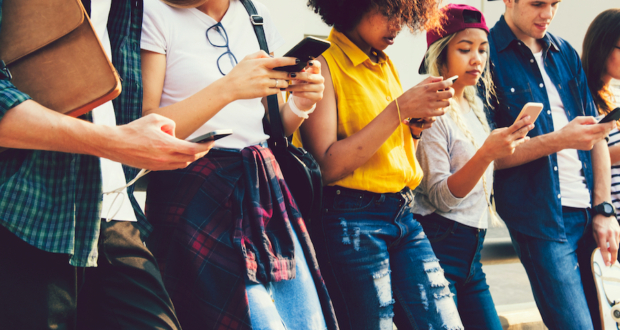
504, 37
354, 53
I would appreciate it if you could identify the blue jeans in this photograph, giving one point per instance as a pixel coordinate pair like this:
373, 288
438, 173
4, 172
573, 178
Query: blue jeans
458, 248
378, 265
560, 273
292, 304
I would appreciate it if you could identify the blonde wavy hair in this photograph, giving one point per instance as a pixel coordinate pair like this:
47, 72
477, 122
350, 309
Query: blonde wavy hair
436, 59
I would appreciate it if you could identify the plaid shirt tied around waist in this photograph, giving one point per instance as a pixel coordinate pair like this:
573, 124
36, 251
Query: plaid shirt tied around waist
52, 200
227, 217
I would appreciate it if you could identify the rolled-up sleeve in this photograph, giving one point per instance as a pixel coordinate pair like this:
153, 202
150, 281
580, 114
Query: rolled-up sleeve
10, 97
434, 158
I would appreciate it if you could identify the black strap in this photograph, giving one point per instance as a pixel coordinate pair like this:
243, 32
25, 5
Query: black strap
277, 130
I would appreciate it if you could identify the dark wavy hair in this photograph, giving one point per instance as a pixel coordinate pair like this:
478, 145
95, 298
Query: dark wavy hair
600, 40
344, 15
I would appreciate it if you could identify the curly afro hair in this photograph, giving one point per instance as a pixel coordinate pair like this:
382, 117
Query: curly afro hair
346, 14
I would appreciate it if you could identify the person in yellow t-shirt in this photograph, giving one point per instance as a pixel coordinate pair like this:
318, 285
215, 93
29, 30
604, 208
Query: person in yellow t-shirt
378, 265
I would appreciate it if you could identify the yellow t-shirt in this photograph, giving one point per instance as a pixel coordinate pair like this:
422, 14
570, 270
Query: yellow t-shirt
363, 90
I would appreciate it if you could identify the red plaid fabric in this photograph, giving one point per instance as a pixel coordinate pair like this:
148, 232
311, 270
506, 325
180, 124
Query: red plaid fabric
227, 216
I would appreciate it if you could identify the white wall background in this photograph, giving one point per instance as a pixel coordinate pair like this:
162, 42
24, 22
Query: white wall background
294, 19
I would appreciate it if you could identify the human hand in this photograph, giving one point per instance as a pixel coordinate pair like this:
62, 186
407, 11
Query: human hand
254, 76
426, 99
606, 230
418, 126
583, 133
149, 143
307, 86
502, 142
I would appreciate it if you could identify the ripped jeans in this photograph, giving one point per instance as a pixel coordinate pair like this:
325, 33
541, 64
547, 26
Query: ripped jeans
378, 265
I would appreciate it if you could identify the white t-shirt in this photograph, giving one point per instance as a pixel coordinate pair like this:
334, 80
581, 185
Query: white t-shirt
112, 174
191, 62
573, 189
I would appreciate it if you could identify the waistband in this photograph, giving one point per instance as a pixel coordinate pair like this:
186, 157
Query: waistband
330, 192
569, 209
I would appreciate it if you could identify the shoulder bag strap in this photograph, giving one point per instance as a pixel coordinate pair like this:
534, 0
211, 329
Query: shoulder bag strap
277, 131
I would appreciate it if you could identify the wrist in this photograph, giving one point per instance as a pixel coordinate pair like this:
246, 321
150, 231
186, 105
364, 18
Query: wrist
299, 112
483, 157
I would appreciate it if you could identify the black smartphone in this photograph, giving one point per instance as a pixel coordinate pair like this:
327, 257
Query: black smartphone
212, 136
306, 50
612, 116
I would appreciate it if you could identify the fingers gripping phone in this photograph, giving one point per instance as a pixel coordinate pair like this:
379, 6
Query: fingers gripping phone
212, 136
306, 50
532, 109
612, 116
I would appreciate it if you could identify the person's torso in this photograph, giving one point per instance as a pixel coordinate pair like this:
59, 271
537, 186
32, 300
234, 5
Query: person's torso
518, 80
192, 63
363, 90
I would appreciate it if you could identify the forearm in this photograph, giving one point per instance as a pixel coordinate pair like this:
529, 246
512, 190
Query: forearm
290, 121
614, 154
191, 113
33, 126
601, 167
467, 177
536, 147
344, 156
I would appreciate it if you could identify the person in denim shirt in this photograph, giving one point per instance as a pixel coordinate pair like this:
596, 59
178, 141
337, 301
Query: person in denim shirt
553, 188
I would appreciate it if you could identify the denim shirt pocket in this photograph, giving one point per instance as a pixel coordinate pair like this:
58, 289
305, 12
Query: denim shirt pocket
512, 99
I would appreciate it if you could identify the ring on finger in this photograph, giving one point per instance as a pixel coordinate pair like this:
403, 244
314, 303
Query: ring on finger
277, 81
422, 126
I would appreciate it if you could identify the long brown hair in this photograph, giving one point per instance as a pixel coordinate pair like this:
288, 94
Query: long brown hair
600, 40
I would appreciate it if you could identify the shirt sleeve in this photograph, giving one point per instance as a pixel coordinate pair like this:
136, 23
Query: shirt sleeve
153, 26
10, 97
274, 38
434, 158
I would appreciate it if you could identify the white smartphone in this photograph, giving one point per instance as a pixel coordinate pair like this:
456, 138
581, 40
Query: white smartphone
532, 108
452, 79
212, 136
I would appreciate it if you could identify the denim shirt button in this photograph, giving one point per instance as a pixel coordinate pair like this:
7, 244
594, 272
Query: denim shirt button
559, 196
548, 112
532, 61
541, 85
555, 168
512, 90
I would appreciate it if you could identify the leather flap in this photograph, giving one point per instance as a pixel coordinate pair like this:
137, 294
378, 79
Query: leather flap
28, 25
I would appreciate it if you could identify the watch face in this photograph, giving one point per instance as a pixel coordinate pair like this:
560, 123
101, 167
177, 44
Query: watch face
608, 209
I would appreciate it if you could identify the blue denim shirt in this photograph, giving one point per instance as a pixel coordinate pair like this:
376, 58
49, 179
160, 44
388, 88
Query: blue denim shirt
528, 196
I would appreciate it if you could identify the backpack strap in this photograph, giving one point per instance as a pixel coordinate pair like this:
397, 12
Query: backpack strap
277, 130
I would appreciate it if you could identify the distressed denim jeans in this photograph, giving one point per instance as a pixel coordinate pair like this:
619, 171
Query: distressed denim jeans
378, 265
292, 304
458, 248
560, 273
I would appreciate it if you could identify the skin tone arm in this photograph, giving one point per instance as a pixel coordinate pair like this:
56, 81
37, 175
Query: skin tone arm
614, 154
581, 133
338, 158
253, 78
148, 142
605, 229
501, 142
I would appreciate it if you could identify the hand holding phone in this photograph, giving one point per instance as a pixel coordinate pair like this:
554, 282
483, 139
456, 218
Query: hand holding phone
532, 109
212, 136
612, 116
306, 50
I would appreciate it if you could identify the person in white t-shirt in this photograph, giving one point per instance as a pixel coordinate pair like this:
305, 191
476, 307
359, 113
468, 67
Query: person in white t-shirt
601, 63
231, 243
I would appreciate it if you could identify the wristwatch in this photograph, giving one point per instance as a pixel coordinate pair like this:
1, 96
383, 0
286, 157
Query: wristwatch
605, 209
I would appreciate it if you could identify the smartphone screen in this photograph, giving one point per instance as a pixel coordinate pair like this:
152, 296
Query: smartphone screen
307, 49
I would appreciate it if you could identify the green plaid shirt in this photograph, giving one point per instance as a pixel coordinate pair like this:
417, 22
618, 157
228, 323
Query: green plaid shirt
52, 200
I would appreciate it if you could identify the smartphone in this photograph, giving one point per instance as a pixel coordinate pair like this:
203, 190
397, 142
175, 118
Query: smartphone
417, 120
212, 136
306, 50
452, 79
532, 108
612, 116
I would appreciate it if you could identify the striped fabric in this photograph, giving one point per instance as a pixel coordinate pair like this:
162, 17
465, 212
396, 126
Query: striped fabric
227, 217
52, 200
614, 139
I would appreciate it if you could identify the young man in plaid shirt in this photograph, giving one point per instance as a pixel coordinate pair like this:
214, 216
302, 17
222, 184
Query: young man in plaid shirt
51, 191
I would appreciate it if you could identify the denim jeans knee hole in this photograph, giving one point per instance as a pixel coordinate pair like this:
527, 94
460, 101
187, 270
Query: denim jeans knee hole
383, 285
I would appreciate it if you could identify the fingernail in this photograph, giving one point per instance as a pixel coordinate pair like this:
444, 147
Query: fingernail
282, 89
297, 61
293, 75
310, 63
